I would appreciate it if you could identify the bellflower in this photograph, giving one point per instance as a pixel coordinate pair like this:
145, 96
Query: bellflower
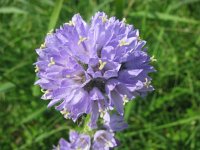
114, 122
90, 68
102, 140
77, 141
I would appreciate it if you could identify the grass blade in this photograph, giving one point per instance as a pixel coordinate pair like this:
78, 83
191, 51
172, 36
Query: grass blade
168, 125
44, 136
33, 115
181, 3
48, 134
6, 86
128, 109
164, 17
11, 10
55, 14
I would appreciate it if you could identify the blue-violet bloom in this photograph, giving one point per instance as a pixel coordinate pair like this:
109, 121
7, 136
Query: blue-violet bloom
90, 68
77, 141
102, 140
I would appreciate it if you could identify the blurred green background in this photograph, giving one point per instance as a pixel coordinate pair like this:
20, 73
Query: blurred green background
168, 118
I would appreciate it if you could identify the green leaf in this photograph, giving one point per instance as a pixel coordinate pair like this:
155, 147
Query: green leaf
33, 115
11, 10
168, 125
48, 134
6, 86
164, 17
128, 109
55, 14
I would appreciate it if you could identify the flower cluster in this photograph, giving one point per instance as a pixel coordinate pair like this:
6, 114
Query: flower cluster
102, 140
93, 68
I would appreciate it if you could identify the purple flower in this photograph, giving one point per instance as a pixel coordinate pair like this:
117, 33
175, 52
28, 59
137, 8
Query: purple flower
63, 145
103, 140
114, 122
90, 68
77, 141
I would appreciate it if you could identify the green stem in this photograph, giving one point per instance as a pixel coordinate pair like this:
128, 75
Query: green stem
119, 7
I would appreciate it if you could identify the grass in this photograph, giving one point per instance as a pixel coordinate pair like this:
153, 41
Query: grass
168, 118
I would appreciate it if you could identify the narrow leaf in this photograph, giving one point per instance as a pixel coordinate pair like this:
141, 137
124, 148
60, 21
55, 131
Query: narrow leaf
55, 14
11, 10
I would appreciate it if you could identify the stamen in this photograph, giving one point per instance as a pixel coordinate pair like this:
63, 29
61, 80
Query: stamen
125, 99
109, 144
68, 76
123, 43
103, 18
65, 113
58, 147
124, 20
153, 59
45, 92
42, 46
52, 62
71, 23
42, 90
102, 113
37, 68
81, 39
147, 83
102, 64
50, 32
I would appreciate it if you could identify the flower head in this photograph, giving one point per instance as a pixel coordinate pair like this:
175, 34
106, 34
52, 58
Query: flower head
63, 145
77, 142
90, 68
102, 140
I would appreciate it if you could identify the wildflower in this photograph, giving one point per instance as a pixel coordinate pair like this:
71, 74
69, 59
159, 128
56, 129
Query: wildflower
77, 142
63, 145
114, 122
103, 140
91, 68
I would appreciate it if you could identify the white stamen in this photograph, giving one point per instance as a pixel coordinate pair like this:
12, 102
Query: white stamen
125, 99
71, 23
37, 68
124, 20
65, 113
102, 64
68, 76
103, 18
102, 112
42, 46
147, 83
153, 59
50, 32
45, 92
81, 39
52, 62
123, 43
